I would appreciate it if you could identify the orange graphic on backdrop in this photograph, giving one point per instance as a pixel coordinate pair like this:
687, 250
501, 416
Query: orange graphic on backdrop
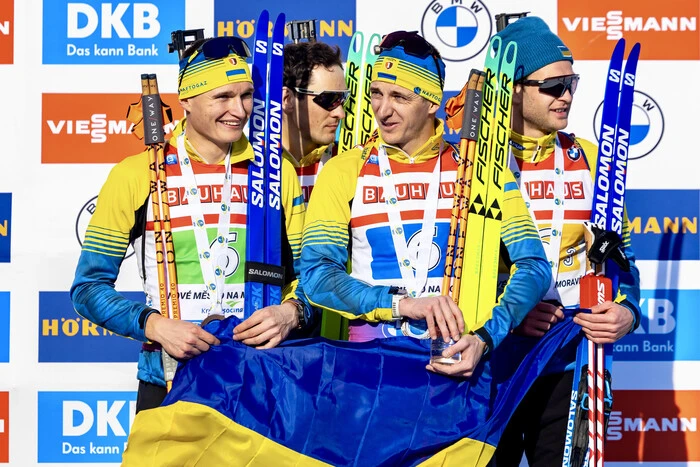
654, 426
7, 31
4, 427
92, 128
666, 30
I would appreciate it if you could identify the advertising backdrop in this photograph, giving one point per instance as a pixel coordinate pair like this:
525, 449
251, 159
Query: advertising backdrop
70, 69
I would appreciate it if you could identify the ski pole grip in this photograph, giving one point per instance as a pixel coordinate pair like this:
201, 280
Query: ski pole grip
472, 106
152, 112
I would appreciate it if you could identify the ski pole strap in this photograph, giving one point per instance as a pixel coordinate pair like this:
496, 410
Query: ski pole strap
607, 245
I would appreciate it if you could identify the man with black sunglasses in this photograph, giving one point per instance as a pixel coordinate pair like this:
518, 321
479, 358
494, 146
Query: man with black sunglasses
312, 103
554, 171
206, 167
385, 209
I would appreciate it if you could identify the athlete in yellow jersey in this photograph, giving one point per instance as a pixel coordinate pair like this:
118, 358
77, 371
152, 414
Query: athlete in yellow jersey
209, 152
312, 102
396, 249
554, 172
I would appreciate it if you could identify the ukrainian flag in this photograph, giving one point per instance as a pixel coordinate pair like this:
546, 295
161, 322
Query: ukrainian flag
320, 402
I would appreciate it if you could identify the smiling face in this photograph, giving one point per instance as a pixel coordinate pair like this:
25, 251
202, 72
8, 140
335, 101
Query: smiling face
405, 119
216, 118
536, 114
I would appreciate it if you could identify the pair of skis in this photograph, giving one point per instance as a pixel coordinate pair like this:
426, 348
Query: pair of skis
358, 124
472, 255
264, 277
607, 216
355, 129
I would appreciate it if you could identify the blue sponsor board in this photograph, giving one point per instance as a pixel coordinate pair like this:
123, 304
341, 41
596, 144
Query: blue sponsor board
84, 426
4, 327
64, 336
5, 226
108, 33
335, 21
664, 224
668, 331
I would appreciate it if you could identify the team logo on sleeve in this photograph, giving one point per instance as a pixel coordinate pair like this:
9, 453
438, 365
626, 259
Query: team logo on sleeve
459, 31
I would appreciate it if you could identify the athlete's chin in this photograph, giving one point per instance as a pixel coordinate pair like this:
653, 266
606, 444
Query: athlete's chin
325, 139
230, 135
559, 124
390, 134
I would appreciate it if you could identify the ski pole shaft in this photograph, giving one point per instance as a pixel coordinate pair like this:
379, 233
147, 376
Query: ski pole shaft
461, 186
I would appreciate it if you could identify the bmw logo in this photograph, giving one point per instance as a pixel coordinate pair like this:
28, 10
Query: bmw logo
459, 31
647, 126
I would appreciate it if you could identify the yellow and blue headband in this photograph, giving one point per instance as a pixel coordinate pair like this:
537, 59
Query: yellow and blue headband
418, 75
205, 70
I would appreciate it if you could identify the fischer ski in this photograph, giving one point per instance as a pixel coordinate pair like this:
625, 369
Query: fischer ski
480, 268
358, 124
607, 258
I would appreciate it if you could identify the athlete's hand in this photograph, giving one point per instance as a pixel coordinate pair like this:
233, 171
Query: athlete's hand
540, 320
268, 326
606, 323
441, 313
180, 339
471, 347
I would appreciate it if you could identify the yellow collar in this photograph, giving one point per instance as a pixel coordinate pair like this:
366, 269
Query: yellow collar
241, 150
427, 151
309, 159
532, 149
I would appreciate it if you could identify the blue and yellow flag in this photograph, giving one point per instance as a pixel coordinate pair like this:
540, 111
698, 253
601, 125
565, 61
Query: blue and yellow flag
320, 402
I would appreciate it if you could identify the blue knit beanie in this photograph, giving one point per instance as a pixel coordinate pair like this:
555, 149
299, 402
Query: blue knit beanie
538, 46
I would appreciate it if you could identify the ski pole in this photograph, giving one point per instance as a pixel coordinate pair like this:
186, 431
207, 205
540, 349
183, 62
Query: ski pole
460, 207
148, 124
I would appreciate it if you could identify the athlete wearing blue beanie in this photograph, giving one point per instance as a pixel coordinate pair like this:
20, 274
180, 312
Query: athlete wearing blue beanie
554, 171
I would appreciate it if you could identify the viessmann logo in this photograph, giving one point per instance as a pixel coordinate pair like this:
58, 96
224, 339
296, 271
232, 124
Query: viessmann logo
7, 31
654, 426
93, 126
591, 28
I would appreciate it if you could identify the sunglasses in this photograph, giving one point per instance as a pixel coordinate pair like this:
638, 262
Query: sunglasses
555, 87
412, 44
216, 48
327, 100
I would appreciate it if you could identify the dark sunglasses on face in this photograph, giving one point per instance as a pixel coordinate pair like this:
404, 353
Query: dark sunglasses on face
556, 86
412, 44
327, 100
218, 47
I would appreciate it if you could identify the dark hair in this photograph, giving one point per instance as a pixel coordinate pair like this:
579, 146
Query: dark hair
301, 58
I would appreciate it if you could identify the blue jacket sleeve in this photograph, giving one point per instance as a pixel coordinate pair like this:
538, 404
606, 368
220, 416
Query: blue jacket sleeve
106, 240
95, 299
324, 254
